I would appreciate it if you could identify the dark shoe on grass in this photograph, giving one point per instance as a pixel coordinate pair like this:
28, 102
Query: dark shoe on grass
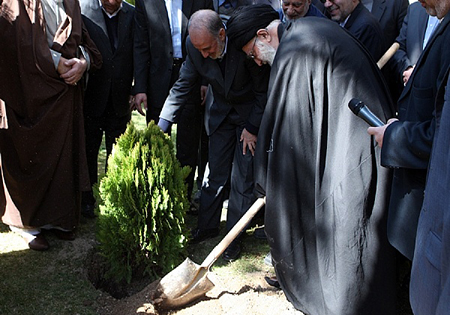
38, 243
232, 252
260, 234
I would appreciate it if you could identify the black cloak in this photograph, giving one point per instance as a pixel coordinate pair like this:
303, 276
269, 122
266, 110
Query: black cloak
326, 192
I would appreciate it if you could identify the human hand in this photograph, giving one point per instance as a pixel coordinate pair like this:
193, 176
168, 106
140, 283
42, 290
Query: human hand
139, 100
248, 140
378, 132
62, 68
131, 102
71, 70
407, 74
203, 90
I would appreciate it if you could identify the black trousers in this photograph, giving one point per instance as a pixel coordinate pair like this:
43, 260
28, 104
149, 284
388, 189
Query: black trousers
110, 125
225, 157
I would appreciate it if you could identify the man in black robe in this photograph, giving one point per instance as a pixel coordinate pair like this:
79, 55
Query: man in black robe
319, 169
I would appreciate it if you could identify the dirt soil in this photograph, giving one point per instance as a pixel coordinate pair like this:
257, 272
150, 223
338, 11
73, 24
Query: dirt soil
235, 293
231, 295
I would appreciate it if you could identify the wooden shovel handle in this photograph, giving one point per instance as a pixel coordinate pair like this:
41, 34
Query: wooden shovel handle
234, 232
388, 55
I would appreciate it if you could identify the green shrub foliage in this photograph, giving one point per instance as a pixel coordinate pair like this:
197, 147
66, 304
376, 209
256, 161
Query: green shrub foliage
142, 201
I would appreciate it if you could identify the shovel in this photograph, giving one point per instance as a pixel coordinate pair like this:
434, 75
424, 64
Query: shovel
189, 281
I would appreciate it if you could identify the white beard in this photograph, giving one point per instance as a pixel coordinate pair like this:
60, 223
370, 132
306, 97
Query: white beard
266, 53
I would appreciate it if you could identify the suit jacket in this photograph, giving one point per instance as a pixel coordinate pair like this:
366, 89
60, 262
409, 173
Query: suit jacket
320, 6
239, 3
115, 77
410, 39
407, 143
390, 15
153, 49
243, 87
430, 274
367, 30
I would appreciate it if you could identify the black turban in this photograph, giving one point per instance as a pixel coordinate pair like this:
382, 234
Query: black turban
245, 21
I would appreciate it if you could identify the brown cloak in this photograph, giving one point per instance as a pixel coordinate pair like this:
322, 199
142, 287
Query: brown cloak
43, 160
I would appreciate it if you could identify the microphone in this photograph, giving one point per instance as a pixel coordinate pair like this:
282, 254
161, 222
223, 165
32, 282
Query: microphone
362, 111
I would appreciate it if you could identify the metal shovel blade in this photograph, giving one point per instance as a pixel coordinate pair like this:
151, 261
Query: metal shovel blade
189, 281
186, 283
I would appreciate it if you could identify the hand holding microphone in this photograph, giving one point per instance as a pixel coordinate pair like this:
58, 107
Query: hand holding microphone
377, 126
362, 111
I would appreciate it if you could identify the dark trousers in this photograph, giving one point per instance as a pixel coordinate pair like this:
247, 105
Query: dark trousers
113, 127
225, 157
189, 129
202, 154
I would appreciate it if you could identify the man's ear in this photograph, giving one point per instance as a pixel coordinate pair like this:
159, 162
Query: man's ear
263, 34
222, 34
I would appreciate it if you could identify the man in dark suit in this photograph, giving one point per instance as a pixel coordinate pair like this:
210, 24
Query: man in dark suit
157, 62
356, 19
224, 8
406, 143
159, 51
430, 275
390, 15
239, 88
412, 40
110, 24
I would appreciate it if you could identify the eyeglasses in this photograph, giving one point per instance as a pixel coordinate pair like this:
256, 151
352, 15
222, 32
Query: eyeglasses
251, 54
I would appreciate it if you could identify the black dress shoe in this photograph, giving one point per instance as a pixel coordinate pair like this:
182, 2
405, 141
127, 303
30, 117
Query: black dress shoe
38, 243
200, 235
260, 234
232, 252
87, 211
273, 281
